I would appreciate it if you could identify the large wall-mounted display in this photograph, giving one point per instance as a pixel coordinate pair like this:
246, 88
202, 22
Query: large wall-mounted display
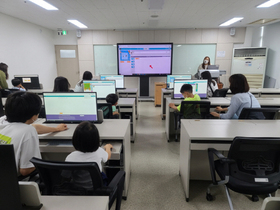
144, 59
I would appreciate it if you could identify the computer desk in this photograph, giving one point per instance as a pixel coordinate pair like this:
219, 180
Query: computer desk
75, 202
40, 91
169, 121
258, 92
165, 93
126, 106
130, 93
110, 130
199, 135
216, 101
263, 92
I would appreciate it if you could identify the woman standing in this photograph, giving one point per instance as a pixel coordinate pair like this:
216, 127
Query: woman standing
3, 76
204, 65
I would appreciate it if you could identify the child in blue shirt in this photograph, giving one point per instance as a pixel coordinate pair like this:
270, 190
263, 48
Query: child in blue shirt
17, 85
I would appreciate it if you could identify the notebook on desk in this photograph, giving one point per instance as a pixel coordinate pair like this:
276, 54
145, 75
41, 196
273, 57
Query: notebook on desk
199, 88
70, 107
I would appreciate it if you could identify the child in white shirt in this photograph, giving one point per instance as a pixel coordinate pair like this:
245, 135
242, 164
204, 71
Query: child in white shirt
86, 141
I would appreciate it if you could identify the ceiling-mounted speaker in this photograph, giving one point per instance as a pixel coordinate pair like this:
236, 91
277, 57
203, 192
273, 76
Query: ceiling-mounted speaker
232, 31
79, 33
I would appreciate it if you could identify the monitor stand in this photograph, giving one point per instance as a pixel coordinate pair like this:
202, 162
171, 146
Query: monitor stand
144, 85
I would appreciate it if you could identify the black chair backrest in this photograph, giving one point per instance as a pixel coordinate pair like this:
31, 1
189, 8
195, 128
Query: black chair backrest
9, 193
259, 113
12, 90
1, 106
255, 157
107, 110
5, 92
195, 109
220, 92
42, 113
60, 178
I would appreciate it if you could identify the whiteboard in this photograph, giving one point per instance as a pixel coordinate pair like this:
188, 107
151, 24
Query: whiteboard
105, 59
186, 58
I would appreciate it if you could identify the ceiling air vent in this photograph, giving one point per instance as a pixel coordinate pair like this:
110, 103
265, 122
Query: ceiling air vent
262, 21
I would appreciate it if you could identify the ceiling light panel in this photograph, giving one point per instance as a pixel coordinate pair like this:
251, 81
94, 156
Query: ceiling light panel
268, 4
44, 4
77, 23
231, 21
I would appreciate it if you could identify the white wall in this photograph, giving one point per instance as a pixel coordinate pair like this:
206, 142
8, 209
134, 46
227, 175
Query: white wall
219, 36
248, 38
27, 49
69, 39
272, 41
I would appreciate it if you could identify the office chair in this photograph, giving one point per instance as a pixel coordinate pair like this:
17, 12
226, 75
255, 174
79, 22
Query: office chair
42, 113
10, 192
259, 113
1, 106
107, 110
58, 179
220, 92
12, 90
5, 92
191, 110
252, 167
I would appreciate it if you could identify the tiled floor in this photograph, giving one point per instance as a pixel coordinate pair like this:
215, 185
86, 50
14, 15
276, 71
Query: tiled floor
155, 182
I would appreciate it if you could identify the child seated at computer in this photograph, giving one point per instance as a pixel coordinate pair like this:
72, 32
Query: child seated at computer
22, 110
17, 85
86, 141
113, 99
187, 92
61, 84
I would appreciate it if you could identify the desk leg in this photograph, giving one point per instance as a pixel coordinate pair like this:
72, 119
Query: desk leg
184, 163
167, 122
127, 158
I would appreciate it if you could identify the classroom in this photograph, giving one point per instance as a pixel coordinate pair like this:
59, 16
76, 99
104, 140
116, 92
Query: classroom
32, 38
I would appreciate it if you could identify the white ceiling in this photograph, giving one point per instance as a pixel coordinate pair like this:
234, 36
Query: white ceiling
135, 14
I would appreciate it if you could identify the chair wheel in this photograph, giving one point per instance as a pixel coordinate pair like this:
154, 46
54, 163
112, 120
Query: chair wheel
255, 198
209, 197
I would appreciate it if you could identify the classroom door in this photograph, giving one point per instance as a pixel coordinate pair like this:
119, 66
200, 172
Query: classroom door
67, 63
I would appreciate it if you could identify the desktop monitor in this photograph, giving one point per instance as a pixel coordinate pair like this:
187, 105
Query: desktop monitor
150, 59
199, 87
170, 79
101, 87
215, 67
118, 78
29, 81
70, 107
